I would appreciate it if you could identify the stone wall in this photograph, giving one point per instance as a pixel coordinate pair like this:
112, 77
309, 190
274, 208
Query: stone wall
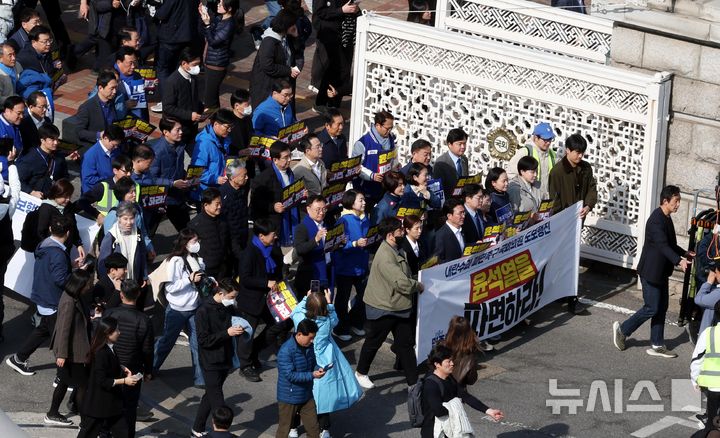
693, 152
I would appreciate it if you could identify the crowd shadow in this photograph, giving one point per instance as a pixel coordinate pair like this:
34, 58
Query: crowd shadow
556, 430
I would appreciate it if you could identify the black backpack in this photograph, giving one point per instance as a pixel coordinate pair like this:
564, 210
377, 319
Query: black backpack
416, 413
30, 237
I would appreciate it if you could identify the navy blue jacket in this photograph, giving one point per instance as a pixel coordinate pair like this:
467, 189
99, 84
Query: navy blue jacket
169, 163
295, 367
387, 207
333, 151
51, 272
660, 252
219, 37
178, 21
312, 255
36, 168
236, 212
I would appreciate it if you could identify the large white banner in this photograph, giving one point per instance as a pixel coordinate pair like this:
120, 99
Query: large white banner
501, 286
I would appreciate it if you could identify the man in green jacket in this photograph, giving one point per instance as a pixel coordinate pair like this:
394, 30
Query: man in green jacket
388, 305
571, 181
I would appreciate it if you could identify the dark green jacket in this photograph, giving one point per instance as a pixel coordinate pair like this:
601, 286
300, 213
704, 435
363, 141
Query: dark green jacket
568, 185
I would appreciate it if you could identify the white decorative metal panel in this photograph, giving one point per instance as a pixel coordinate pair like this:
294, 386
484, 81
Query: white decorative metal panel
529, 24
433, 81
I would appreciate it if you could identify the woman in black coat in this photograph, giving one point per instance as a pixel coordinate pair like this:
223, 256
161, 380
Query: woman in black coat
218, 30
102, 406
58, 204
275, 58
215, 333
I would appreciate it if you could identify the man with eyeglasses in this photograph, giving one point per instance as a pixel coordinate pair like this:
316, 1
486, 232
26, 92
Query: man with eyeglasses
375, 143
212, 145
37, 55
538, 148
311, 167
309, 245
275, 112
35, 117
131, 87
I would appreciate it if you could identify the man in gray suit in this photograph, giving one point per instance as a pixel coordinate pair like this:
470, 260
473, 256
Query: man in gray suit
311, 167
453, 164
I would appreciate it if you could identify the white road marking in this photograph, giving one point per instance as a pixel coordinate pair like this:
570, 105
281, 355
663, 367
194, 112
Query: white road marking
661, 424
616, 309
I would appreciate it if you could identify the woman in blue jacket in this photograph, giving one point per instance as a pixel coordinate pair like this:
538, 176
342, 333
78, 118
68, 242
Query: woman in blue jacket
338, 388
496, 184
351, 266
416, 194
219, 30
394, 185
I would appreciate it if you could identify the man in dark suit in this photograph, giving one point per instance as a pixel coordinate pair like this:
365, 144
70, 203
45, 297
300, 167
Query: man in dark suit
37, 55
449, 239
37, 106
660, 253
98, 112
181, 96
42, 165
473, 227
267, 193
309, 246
453, 164
333, 141
260, 270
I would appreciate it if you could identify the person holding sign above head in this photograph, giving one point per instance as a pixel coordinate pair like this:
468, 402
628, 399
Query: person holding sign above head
420, 152
169, 163
524, 194
101, 194
350, 265
42, 165
394, 185
388, 305
267, 194
211, 149
131, 87
453, 164
449, 239
97, 161
540, 149
97, 114
275, 112
260, 270
213, 231
377, 148
496, 183
311, 167
473, 227
310, 246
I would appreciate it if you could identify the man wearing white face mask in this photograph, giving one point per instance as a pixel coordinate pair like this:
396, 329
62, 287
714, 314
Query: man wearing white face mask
181, 96
242, 126
185, 271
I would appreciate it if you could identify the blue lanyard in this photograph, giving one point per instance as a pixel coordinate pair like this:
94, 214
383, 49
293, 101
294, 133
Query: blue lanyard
50, 165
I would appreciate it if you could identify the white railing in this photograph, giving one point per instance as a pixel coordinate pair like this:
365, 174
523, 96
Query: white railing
434, 80
529, 24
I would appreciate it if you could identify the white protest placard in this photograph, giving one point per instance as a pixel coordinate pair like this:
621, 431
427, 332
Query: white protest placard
25, 205
497, 288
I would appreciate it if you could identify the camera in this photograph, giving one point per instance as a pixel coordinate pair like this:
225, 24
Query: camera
205, 286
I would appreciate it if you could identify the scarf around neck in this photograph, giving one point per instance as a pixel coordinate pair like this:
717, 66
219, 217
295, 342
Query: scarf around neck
270, 264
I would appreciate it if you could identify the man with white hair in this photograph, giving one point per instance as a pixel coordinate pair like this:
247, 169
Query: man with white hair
234, 193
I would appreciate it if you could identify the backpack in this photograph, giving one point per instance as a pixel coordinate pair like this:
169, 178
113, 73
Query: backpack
29, 236
416, 413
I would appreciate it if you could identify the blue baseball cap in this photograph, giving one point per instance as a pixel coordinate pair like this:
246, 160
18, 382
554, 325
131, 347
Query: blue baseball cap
544, 131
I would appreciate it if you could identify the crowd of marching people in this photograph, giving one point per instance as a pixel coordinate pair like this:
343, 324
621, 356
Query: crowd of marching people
224, 178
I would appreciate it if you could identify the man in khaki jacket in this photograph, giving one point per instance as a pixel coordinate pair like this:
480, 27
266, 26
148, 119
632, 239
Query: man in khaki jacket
388, 305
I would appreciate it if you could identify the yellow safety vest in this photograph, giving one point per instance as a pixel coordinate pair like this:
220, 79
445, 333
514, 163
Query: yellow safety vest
532, 152
710, 371
108, 201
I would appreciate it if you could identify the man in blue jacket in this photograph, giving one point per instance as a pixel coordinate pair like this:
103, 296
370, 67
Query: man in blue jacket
13, 113
296, 372
169, 163
211, 148
97, 161
51, 272
275, 112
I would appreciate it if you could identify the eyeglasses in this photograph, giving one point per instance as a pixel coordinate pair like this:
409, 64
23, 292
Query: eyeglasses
227, 126
46, 42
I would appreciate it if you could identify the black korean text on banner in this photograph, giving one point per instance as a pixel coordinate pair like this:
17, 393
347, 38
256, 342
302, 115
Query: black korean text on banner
259, 147
519, 223
281, 302
385, 161
344, 171
493, 233
404, 212
435, 187
474, 249
333, 194
293, 194
135, 128
545, 210
373, 237
194, 173
462, 182
149, 75
293, 133
153, 196
335, 238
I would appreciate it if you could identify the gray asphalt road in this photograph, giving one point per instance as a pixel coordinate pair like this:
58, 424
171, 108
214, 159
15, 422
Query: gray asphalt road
576, 351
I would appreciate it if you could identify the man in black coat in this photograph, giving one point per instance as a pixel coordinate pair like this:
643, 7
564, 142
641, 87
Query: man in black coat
214, 234
135, 347
98, 112
37, 106
181, 96
453, 164
235, 209
260, 270
42, 165
178, 28
473, 227
332, 139
660, 254
449, 239
37, 55
309, 245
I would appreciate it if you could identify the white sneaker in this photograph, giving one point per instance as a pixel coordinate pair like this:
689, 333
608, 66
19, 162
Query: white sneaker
293, 433
364, 381
157, 108
325, 434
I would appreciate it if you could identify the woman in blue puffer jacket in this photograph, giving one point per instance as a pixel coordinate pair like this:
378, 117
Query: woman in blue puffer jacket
218, 31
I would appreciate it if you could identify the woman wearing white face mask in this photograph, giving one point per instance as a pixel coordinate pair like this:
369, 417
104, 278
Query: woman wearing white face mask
216, 334
185, 271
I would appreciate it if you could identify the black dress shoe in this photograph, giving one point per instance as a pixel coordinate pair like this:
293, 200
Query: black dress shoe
250, 374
